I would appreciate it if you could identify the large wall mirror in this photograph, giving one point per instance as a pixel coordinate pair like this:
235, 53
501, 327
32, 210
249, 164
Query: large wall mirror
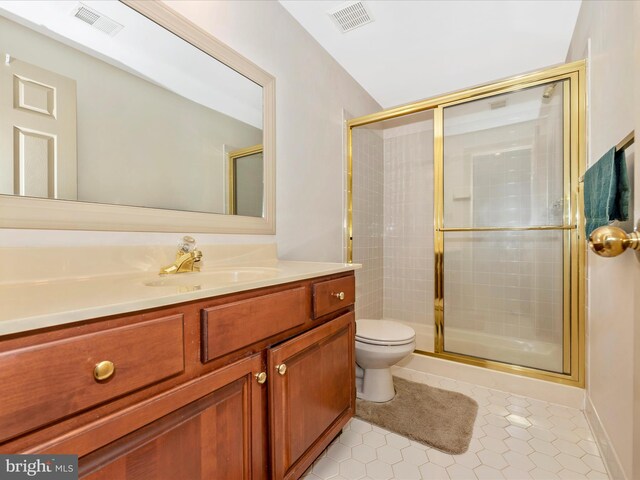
125, 116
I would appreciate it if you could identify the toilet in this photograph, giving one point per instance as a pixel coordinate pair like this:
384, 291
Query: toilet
379, 345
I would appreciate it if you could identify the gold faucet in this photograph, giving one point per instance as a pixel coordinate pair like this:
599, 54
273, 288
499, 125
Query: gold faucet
187, 258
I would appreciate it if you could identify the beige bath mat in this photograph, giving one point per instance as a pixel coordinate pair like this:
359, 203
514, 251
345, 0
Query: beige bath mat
432, 416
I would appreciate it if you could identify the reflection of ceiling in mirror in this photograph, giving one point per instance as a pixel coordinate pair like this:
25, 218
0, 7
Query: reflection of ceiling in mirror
147, 50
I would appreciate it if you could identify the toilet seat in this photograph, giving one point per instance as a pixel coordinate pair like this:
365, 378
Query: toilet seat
383, 332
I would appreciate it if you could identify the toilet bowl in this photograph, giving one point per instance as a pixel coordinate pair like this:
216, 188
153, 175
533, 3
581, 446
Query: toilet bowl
379, 345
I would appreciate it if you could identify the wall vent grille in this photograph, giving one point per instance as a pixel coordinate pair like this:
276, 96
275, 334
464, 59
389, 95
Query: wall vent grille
96, 20
350, 15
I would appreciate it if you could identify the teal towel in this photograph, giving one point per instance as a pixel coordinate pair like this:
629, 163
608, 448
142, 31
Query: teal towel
606, 191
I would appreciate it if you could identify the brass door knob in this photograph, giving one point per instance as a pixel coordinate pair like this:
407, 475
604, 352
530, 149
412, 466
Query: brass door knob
339, 295
612, 241
282, 368
103, 370
261, 377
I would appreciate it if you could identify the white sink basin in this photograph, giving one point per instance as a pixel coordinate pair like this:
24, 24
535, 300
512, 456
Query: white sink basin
198, 280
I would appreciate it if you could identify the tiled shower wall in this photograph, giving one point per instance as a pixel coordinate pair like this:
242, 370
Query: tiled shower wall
408, 228
368, 197
509, 286
505, 283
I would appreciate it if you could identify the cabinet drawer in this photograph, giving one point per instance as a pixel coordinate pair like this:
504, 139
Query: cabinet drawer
230, 327
49, 381
332, 295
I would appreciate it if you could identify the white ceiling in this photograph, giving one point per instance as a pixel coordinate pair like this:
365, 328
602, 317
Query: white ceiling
419, 49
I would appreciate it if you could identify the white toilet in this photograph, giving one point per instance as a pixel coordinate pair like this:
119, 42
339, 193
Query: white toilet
379, 345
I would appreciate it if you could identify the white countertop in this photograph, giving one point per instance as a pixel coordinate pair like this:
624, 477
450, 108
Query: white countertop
30, 305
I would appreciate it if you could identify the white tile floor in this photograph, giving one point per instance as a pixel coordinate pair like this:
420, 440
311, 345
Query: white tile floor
514, 438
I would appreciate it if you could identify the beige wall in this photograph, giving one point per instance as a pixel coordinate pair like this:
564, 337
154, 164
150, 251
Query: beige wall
311, 92
138, 143
613, 349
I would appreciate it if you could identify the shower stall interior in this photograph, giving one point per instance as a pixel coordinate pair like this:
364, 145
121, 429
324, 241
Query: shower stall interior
464, 211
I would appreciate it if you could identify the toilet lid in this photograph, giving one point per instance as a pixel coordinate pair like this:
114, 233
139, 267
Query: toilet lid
383, 332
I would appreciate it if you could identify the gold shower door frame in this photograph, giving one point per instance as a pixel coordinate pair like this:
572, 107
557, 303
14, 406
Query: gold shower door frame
573, 79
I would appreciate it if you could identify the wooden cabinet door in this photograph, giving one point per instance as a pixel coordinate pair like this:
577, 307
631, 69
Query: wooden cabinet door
313, 396
219, 435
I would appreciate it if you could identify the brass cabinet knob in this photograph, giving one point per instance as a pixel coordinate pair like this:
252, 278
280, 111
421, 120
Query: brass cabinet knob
261, 377
282, 368
103, 370
612, 241
339, 295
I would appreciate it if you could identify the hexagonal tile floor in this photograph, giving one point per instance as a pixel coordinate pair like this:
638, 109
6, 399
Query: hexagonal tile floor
514, 438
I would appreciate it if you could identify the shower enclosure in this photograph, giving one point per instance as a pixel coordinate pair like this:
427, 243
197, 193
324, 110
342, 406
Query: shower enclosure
464, 210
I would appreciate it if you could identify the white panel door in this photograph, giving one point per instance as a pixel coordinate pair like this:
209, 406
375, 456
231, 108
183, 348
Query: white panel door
37, 132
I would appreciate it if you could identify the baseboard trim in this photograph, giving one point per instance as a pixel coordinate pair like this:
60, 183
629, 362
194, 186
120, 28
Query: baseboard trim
607, 452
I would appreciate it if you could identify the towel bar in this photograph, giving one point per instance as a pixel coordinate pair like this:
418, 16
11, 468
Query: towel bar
625, 143
612, 241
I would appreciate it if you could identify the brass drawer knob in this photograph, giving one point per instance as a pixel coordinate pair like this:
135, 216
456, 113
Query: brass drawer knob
261, 377
282, 368
339, 295
103, 370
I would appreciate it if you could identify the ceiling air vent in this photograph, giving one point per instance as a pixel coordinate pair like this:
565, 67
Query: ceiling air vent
96, 20
350, 15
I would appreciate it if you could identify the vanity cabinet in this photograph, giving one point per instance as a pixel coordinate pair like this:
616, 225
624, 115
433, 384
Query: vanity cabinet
311, 395
251, 385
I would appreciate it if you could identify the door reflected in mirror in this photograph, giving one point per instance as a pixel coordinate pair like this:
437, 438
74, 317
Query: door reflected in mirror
245, 181
100, 104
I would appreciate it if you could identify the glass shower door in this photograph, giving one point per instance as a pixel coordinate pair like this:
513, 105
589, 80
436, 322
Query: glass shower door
504, 227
